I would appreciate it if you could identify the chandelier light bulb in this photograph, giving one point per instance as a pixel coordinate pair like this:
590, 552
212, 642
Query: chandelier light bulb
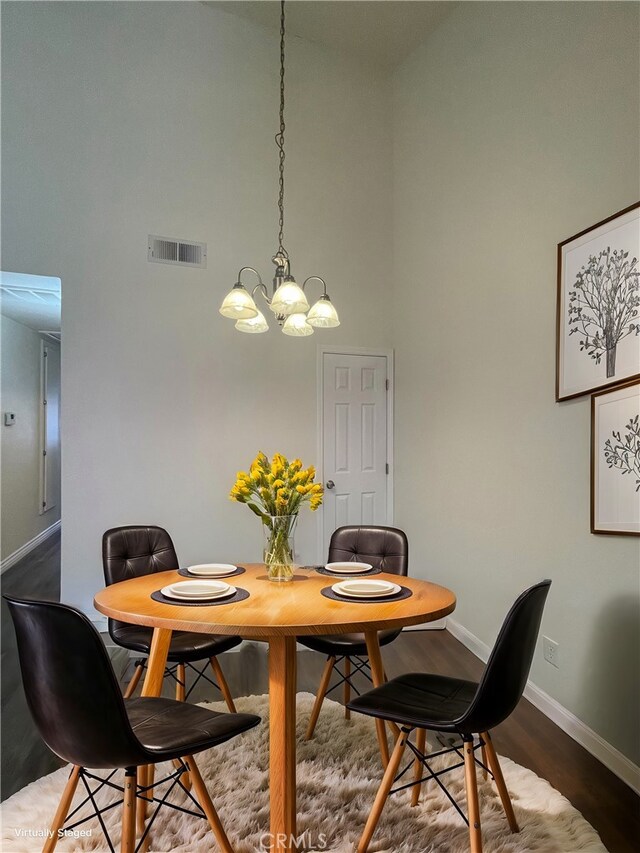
296, 325
323, 314
238, 304
254, 325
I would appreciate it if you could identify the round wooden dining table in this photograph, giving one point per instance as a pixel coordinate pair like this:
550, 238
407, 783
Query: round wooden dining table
275, 613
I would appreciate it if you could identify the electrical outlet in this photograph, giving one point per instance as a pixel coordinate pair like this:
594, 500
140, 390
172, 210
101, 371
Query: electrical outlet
550, 648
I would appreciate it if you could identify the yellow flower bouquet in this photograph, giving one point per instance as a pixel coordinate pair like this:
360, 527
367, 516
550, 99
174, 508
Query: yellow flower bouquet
275, 490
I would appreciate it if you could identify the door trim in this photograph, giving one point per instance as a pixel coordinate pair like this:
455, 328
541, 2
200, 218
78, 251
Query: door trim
323, 349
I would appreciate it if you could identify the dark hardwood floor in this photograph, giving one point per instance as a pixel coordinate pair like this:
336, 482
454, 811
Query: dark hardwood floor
528, 737
24, 756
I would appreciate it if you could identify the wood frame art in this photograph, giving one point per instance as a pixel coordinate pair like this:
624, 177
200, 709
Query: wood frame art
598, 306
615, 460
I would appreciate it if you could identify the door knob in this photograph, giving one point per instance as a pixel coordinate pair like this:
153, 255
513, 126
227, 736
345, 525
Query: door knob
330, 484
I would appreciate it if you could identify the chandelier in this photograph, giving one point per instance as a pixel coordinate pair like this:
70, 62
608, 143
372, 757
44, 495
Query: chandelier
288, 300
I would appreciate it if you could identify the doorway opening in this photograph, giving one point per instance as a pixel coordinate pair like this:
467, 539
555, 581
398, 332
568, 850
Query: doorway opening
30, 309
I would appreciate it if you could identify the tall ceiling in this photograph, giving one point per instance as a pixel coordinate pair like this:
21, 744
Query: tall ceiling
381, 33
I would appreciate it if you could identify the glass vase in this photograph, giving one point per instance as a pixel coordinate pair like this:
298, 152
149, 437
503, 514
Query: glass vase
278, 547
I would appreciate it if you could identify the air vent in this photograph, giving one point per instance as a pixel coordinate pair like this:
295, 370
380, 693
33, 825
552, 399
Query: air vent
186, 253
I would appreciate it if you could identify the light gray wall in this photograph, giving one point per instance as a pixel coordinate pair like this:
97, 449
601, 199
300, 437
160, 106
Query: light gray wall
20, 459
516, 125
128, 119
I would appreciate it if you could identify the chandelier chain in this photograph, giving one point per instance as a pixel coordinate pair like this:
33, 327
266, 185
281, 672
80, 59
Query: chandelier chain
280, 142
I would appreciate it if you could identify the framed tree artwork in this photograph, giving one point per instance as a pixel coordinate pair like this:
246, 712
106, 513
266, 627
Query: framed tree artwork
615, 460
598, 310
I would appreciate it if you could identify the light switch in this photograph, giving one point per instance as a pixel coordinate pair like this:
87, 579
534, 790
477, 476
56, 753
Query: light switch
9, 418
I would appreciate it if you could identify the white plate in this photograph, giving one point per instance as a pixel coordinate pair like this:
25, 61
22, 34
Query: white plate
365, 588
212, 570
198, 590
348, 568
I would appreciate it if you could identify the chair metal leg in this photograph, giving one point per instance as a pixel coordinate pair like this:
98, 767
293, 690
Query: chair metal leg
421, 741
322, 689
222, 684
475, 829
383, 792
181, 682
63, 809
128, 842
135, 678
207, 806
494, 766
347, 687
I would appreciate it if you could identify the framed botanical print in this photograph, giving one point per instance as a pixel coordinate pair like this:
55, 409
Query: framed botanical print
615, 460
598, 309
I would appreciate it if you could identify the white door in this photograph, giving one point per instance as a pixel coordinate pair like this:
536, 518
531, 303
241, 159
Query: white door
355, 464
50, 435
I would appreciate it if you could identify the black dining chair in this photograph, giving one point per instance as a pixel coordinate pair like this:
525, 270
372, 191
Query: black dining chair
131, 552
440, 703
77, 706
384, 548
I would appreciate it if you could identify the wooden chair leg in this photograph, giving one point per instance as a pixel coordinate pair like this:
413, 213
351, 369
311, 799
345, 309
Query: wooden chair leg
383, 793
63, 809
145, 777
186, 779
141, 810
128, 842
135, 678
494, 766
347, 687
421, 740
222, 684
204, 799
473, 806
485, 761
322, 689
181, 683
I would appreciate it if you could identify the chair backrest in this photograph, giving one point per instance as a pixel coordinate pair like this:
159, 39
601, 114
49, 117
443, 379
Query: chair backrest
135, 550
70, 686
385, 548
507, 670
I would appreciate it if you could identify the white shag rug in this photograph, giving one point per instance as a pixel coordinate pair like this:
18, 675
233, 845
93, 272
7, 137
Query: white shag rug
338, 774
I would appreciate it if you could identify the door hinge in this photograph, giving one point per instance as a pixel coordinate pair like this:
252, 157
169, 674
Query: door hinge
387, 467
44, 452
44, 402
44, 503
386, 384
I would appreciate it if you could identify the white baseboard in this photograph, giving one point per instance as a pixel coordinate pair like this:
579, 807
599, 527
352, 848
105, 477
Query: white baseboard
438, 625
608, 755
12, 559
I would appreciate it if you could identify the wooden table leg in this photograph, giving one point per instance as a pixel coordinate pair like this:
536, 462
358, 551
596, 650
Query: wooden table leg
347, 686
282, 742
377, 673
152, 687
157, 662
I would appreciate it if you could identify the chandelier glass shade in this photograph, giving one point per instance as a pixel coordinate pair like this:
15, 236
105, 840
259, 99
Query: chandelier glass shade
296, 326
288, 300
238, 304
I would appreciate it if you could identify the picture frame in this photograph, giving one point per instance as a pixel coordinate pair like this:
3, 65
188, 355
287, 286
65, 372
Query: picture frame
615, 460
598, 306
